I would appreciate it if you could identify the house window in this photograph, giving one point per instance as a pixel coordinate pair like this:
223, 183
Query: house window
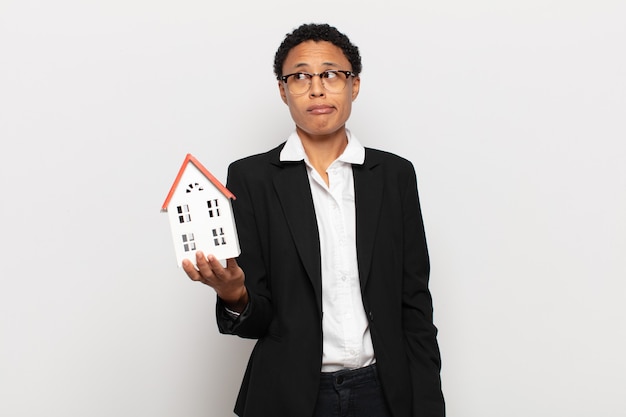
214, 210
183, 213
189, 242
218, 237
194, 186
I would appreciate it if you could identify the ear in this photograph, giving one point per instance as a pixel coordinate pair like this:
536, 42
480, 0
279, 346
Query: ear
356, 86
283, 93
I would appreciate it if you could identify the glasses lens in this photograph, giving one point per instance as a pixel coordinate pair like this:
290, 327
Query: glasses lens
299, 83
334, 81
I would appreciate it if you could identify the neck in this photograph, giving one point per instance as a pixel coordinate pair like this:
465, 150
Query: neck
323, 150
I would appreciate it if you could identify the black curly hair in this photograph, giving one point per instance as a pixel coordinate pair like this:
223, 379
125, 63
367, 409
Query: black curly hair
317, 32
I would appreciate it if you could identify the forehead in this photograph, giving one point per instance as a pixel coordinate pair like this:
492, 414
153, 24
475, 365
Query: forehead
316, 54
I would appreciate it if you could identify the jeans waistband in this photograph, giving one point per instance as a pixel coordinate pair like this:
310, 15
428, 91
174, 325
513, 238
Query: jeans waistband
348, 377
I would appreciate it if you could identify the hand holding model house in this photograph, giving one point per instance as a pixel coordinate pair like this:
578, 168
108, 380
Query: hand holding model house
201, 220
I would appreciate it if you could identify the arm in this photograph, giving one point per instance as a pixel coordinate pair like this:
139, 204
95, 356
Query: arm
417, 310
243, 293
258, 313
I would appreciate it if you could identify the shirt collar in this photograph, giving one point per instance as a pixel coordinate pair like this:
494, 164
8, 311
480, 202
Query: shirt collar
294, 151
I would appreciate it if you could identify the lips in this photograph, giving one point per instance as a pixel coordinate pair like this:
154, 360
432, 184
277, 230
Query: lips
320, 109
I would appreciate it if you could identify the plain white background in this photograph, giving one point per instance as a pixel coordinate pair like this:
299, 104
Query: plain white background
513, 113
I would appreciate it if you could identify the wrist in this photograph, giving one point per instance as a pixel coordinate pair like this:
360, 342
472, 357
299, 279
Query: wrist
236, 303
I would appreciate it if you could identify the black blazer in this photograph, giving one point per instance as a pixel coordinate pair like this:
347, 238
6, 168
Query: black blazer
280, 256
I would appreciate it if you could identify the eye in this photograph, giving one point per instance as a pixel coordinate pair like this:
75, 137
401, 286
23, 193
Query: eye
330, 75
300, 76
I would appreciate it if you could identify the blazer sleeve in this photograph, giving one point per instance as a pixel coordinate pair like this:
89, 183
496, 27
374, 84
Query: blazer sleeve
417, 309
254, 321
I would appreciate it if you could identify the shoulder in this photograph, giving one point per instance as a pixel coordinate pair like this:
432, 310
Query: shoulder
394, 170
390, 161
257, 161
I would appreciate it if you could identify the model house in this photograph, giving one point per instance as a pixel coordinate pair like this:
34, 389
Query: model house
200, 214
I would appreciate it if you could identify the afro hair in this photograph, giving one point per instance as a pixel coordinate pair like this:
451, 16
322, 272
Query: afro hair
317, 33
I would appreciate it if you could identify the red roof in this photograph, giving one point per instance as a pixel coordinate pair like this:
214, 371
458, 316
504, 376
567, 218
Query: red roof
205, 172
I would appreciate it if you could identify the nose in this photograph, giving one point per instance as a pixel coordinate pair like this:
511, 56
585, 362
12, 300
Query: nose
317, 87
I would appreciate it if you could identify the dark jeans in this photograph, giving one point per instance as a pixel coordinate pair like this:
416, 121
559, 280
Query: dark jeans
351, 393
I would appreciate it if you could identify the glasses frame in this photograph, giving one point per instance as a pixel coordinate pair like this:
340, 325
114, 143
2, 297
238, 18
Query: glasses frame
284, 78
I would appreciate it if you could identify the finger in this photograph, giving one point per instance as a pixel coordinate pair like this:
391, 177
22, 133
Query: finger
205, 268
191, 270
234, 269
231, 273
231, 264
216, 266
200, 259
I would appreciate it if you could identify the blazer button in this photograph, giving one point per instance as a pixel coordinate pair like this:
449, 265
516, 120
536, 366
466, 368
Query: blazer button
370, 315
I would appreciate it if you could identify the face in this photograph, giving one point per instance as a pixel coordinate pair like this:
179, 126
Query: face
318, 113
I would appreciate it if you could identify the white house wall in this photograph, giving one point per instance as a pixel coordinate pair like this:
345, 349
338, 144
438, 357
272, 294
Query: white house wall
199, 231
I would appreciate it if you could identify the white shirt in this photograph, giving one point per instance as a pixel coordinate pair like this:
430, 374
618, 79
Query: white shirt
346, 336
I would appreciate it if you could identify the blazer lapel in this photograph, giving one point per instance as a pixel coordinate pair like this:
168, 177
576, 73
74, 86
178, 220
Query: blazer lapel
294, 192
368, 190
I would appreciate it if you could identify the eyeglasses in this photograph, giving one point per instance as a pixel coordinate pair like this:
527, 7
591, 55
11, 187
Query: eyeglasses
334, 81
